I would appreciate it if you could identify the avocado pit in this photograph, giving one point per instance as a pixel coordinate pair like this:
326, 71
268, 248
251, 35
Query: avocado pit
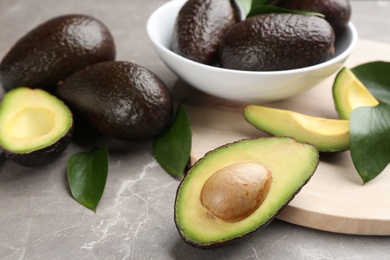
236, 191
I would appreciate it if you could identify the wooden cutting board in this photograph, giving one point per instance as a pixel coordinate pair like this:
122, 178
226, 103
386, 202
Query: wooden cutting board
335, 199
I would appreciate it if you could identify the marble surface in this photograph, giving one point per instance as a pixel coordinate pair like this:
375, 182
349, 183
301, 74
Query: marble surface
134, 220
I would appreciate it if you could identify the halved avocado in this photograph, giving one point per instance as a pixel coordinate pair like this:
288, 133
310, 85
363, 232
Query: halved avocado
35, 126
350, 93
327, 135
240, 187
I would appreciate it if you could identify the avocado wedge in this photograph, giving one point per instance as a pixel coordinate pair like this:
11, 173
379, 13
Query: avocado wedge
327, 135
350, 93
36, 126
265, 173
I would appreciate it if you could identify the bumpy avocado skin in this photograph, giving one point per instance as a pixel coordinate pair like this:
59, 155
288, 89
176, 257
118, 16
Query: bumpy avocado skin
277, 41
199, 27
54, 50
337, 12
119, 99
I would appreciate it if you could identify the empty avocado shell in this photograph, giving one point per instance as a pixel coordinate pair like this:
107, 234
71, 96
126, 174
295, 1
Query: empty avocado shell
36, 127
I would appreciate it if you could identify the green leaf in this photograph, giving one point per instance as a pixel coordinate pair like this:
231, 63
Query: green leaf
264, 9
257, 7
370, 140
172, 149
87, 175
375, 77
257, 3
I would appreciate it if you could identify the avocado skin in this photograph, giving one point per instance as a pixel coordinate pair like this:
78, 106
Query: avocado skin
42, 156
119, 99
54, 50
277, 41
337, 12
199, 28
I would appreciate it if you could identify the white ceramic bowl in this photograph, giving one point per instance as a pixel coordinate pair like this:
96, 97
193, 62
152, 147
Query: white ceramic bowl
241, 86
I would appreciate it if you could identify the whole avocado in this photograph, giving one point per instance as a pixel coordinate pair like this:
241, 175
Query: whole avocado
199, 28
337, 12
54, 50
277, 41
119, 99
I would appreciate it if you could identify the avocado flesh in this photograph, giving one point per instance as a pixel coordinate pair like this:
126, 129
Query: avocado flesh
349, 93
291, 165
33, 120
327, 135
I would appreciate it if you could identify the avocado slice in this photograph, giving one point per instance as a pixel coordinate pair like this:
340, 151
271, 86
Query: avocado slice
36, 126
328, 135
350, 93
264, 173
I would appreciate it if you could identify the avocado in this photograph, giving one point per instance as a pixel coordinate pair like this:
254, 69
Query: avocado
240, 187
350, 93
119, 99
36, 126
54, 50
199, 28
276, 41
327, 135
337, 12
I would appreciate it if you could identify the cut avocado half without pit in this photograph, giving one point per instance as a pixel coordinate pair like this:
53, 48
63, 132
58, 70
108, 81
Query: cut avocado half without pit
264, 173
350, 93
35, 126
327, 135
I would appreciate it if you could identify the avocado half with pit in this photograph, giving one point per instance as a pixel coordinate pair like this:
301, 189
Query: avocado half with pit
327, 135
35, 126
350, 93
240, 187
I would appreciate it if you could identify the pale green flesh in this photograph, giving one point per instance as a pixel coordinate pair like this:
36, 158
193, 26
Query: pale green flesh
32, 119
349, 93
291, 165
328, 135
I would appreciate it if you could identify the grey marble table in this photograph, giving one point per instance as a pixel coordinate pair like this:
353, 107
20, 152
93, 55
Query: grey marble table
134, 220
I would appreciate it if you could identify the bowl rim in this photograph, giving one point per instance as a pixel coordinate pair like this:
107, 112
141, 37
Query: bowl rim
340, 57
